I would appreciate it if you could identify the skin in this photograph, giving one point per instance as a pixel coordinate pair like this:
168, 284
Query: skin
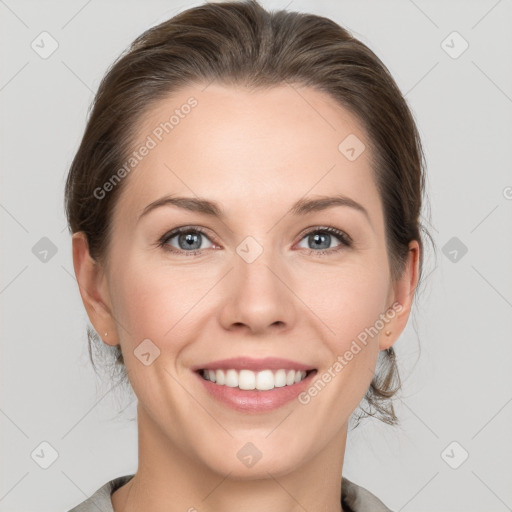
255, 153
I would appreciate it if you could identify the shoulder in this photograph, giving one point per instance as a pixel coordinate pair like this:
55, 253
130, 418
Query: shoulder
101, 499
355, 498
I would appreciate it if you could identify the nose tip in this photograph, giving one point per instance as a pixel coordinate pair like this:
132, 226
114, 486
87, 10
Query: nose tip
257, 297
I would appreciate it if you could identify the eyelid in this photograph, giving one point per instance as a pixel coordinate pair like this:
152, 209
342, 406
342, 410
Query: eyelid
345, 240
163, 241
327, 229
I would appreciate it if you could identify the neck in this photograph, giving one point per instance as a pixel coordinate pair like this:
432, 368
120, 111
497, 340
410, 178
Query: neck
168, 479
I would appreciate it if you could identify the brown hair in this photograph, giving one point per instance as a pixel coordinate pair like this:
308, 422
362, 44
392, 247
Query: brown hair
241, 43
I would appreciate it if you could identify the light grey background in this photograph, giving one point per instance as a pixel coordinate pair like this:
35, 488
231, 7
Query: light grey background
456, 363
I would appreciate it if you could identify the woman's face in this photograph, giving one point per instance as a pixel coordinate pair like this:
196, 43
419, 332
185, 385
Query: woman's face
262, 280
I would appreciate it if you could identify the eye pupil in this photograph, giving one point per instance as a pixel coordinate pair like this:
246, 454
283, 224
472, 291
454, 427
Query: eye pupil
190, 239
317, 237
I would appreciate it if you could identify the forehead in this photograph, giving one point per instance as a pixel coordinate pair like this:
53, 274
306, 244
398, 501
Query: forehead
245, 147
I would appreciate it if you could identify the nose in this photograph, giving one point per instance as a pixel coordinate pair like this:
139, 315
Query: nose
258, 296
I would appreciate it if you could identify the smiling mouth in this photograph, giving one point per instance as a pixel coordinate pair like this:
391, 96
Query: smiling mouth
263, 380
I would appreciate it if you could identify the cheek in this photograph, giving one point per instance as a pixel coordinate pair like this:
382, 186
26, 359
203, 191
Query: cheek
347, 299
351, 305
155, 302
137, 302
158, 301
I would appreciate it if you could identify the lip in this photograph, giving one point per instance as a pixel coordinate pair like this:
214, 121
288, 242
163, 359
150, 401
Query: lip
255, 401
256, 365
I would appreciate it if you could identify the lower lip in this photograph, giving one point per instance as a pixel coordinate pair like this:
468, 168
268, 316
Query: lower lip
254, 400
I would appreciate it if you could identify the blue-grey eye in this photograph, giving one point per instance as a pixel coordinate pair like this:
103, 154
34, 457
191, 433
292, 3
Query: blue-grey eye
188, 240
320, 239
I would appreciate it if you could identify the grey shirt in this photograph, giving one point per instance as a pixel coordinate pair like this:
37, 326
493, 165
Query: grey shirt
353, 498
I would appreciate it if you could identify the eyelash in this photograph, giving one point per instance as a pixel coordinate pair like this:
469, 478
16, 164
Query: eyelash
345, 240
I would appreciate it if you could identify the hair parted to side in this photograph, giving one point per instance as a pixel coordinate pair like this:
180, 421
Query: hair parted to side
240, 43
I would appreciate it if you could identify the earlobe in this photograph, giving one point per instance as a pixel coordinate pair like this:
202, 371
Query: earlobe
401, 298
92, 286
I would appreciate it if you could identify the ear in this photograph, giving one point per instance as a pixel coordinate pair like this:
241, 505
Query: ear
93, 288
401, 295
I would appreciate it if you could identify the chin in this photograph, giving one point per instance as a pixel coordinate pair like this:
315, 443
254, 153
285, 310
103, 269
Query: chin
244, 461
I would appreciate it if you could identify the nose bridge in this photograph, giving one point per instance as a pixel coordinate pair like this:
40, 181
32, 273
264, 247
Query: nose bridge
256, 265
259, 297
255, 261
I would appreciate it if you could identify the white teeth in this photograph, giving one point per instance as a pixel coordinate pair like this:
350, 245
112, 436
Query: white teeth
231, 379
280, 378
219, 377
247, 379
264, 380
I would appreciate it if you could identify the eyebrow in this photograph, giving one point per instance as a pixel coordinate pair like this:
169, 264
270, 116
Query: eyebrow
213, 209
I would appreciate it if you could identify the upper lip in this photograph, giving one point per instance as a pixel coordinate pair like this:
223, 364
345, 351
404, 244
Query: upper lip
249, 363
